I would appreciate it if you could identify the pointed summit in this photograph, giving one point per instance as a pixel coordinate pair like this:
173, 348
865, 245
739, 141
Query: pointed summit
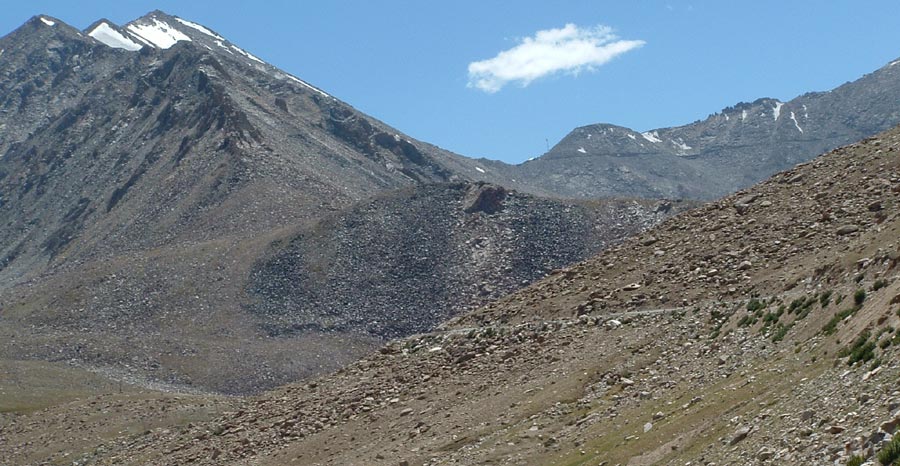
156, 29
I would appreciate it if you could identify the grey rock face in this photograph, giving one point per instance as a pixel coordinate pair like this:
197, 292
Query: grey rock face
406, 261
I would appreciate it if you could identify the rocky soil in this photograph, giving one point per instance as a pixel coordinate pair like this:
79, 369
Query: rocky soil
406, 261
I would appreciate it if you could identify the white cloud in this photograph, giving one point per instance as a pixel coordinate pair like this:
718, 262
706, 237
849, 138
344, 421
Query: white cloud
569, 49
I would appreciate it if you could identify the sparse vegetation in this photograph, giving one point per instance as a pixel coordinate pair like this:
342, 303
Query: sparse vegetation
771, 317
859, 297
825, 299
755, 305
831, 326
780, 332
856, 460
879, 284
889, 455
861, 350
747, 321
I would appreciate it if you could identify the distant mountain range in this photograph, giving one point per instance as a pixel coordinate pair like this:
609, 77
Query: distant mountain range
729, 150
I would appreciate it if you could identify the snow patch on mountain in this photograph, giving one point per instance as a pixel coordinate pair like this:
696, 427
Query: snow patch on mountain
199, 28
651, 136
795, 122
305, 84
159, 33
48, 22
776, 110
581, 149
681, 145
246, 54
105, 34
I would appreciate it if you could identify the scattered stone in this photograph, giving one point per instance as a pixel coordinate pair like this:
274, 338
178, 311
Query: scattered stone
847, 229
739, 435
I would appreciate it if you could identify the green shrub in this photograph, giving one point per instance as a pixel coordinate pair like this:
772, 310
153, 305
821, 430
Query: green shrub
780, 332
755, 305
831, 326
770, 318
856, 460
861, 350
879, 284
859, 297
891, 453
745, 321
825, 299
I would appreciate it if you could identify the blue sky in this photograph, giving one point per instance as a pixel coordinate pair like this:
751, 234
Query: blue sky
407, 62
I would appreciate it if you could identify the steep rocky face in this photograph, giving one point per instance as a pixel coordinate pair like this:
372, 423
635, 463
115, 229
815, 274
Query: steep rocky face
149, 174
109, 149
758, 328
408, 260
729, 150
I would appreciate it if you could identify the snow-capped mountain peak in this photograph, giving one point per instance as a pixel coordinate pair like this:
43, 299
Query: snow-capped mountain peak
108, 34
157, 32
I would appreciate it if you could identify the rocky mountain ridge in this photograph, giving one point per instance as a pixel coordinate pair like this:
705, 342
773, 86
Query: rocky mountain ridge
729, 150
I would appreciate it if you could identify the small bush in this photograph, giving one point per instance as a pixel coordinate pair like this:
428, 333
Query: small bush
831, 326
825, 299
781, 331
839, 299
879, 284
891, 453
856, 460
755, 305
770, 318
859, 297
861, 350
